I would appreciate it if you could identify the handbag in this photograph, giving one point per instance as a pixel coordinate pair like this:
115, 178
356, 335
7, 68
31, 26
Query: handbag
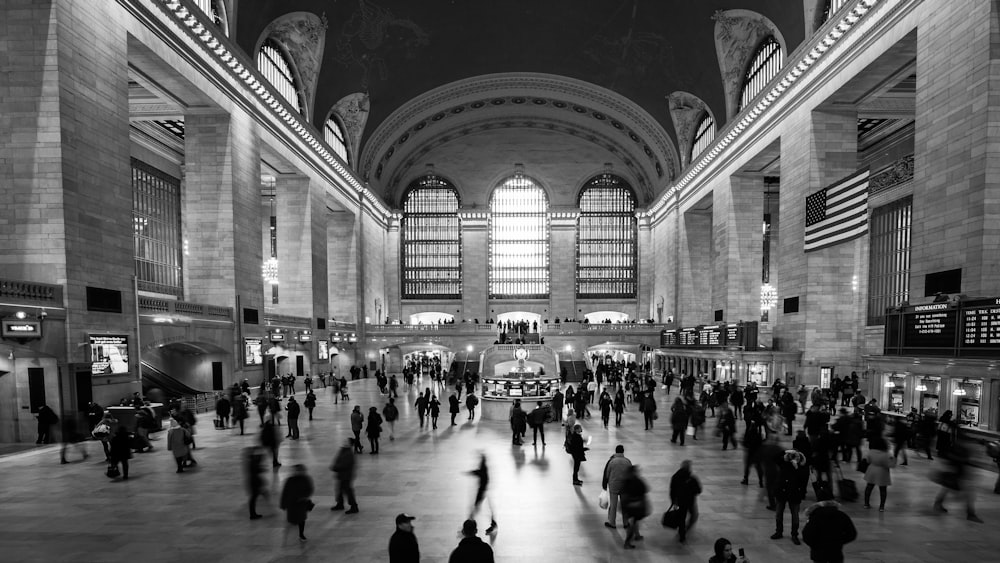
673, 517
863, 464
604, 499
112, 471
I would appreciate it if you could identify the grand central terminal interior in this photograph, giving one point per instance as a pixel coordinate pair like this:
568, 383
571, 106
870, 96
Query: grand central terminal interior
503, 199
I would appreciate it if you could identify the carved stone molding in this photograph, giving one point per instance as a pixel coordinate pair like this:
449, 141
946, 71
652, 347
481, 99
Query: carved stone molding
303, 34
738, 33
685, 111
353, 110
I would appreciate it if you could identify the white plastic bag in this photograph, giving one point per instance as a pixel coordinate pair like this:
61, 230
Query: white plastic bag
604, 499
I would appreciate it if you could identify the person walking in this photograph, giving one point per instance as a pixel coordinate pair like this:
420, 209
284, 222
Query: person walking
470, 403
953, 478
374, 429
615, 473
357, 424
222, 409
471, 549
310, 402
270, 438
179, 443
827, 530
752, 442
294, 410
789, 490
879, 462
482, 472
46, 418
635, 505
240, 412
678, 420
254, 460
901, 436
296, 499
684, 490
121, 450
403, 546
435, 409
536, 419
393, 386
422, 405
727, 426
343, 468
578, 451
391, 413
619, 406
105, 430
453, 407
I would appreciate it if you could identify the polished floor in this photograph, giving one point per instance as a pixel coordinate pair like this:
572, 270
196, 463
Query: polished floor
52, 512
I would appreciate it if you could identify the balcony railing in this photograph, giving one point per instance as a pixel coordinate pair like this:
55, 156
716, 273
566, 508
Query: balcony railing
31, 293
168, 306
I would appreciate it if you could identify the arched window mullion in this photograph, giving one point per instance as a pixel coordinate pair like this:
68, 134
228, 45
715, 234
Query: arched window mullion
764, 66
607, 240
703, 136
276, 68
333, 134
431, 243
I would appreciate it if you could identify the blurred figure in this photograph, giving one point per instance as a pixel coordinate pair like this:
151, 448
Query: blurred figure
953, 478
343, 468
178, 442
635, 505
296, 499
684, 490
95, 413
222, 409
121, 450
71, 435
104, 431
254, 460
270, 438
483, 473
240, 411
46, 418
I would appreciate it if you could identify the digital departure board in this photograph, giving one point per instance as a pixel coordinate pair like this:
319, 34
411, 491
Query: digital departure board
723, 335
966, 328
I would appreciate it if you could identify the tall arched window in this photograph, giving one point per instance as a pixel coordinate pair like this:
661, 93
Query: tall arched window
274, 65
333, 134
763, 67
832, 7
606, 240
432, 240
703, 135
519, 240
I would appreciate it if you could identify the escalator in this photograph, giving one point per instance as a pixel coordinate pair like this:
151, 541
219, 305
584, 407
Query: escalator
154, 378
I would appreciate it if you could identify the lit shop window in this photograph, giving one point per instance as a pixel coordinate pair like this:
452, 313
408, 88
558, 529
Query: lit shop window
967, 393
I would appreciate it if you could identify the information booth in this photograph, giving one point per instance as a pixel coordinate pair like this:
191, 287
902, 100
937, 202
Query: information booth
520, 379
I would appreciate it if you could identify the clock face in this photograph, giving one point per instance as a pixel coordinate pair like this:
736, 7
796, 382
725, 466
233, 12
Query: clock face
521, 354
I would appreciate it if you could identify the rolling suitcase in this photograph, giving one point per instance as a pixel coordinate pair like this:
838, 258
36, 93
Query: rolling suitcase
848, 488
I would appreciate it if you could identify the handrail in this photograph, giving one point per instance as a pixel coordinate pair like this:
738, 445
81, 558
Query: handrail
31, 292
167, 306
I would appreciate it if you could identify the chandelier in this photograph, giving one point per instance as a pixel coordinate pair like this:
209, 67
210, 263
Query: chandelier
768, 297
270, 271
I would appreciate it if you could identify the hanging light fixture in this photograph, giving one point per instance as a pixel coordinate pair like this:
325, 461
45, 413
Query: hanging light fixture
270, 267
768, 297
960, 389
922, 386
889, 383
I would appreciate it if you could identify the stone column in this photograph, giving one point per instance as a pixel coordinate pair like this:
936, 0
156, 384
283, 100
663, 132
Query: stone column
562, 265
302, 239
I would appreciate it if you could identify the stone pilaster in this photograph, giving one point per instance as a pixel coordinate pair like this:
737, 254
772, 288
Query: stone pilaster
737, 238
475, 265
695, 269
562, 266
342, 259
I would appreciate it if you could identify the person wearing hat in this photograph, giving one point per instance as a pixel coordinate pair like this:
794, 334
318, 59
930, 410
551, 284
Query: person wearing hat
403, 546
471, 549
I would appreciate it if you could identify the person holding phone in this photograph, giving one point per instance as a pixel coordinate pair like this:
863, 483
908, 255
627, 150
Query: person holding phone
724, 553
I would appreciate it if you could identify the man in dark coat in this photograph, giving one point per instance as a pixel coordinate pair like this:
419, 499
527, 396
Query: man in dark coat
536, 419
453, 407
255, 477
789, 489
343, 466
294, 410
46, 418
684, 488
471, 549
827, 530
557, 405
403, 546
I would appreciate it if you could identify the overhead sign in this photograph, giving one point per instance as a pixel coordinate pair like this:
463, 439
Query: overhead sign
276, 336
108, 354
305, 336
722, 335
969, 328
15, 328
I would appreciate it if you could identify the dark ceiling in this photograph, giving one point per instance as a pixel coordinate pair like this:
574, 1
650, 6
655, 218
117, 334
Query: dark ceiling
396, 50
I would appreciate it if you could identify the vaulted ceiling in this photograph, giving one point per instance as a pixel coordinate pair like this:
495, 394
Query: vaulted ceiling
426, 74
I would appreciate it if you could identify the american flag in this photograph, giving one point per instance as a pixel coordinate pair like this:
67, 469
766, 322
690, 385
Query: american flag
838, 213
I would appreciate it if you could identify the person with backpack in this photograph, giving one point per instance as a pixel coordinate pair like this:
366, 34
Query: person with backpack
390, 412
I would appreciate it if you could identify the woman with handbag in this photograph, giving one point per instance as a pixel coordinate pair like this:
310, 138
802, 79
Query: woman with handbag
295, 499
877, 463
635, 505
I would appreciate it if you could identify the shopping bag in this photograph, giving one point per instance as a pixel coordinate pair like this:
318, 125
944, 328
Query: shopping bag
604, 499
690, 430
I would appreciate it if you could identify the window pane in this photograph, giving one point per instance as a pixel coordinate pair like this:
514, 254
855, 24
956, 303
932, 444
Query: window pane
889, 258
606, 240
334, 136
703, 136
271, 62
765, 66
432, 241
156, 221
519, 240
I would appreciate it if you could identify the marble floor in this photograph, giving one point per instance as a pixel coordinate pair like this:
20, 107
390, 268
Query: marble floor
51, 512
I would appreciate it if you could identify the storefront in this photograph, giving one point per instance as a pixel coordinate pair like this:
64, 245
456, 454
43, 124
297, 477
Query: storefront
732, 365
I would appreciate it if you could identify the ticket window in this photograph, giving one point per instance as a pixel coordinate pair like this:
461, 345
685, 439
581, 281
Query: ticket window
893, 391
929, 389
967, 404
825, 377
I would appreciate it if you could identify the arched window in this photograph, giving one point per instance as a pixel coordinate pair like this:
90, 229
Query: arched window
432, 240
519, 240
333, 134
765, 65
703, 135
832, 7
274, 65
606, 240
215, 9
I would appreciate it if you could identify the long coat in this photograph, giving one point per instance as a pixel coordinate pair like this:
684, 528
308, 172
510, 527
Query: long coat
177, 441
297, 490
879, 463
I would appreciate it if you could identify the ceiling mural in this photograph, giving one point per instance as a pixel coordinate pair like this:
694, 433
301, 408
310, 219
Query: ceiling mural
371, 37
